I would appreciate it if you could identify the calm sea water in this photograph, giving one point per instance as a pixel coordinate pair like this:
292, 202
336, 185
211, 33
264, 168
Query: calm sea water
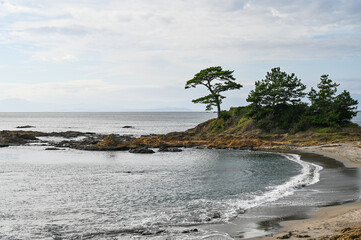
75, 194
143, 123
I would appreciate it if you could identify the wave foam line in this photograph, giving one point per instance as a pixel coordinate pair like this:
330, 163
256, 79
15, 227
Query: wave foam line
309, 175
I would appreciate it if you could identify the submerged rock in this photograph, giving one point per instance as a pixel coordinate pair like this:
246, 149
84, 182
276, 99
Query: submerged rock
216, 215
169, 149
127, 127
190, 230
53, 149
141, 150
200, 147
26, 126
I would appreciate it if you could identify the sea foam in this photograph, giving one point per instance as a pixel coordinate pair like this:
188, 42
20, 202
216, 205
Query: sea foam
310, 174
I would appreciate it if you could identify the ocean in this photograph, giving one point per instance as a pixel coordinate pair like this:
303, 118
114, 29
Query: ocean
193, 194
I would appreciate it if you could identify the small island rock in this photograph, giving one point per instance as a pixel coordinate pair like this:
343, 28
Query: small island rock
53, 149
26, 126
141, 150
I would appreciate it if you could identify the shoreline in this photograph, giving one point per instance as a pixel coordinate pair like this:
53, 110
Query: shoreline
347, 153
327, 221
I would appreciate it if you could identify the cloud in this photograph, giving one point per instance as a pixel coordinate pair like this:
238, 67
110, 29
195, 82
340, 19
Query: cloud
163, 43
16, 8
202, 28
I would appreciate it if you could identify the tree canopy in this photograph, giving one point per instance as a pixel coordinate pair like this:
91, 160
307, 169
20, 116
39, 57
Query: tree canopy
278, 88
217, 81
327, 108
277, 99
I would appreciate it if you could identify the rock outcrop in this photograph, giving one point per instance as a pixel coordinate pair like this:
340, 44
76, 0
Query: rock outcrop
141, 150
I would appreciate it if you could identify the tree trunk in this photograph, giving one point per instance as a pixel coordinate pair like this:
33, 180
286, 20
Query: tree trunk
218, 110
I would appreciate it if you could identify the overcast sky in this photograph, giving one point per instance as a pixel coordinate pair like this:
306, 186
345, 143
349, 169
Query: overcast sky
111, 55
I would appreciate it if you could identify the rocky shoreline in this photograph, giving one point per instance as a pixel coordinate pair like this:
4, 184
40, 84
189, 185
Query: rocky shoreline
172, 142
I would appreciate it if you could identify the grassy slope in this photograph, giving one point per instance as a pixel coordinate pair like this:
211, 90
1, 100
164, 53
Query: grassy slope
236, 130
237, 125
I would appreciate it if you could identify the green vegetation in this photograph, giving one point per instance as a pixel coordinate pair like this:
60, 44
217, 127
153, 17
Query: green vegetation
276, 104
276, 100
326, 108
216, 80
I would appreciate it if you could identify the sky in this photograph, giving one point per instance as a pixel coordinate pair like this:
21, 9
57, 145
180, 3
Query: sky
128, 55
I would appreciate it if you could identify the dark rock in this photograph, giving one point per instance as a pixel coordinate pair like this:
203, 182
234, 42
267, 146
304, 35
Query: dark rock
146, 233
53, 149
216, 215
141, 150
303, 236
17, 137
300, 186
190, 230
4, 145
128, 127
27, 136
26, 126
286, 236
149, 135
169, 149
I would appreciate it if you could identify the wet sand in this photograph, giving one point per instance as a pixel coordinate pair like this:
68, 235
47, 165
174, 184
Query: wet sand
347, 153
329, 220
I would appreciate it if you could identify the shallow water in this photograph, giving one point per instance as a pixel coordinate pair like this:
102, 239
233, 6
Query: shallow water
71, 193
338, 185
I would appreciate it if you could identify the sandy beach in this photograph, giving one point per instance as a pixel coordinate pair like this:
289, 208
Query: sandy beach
328, 221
